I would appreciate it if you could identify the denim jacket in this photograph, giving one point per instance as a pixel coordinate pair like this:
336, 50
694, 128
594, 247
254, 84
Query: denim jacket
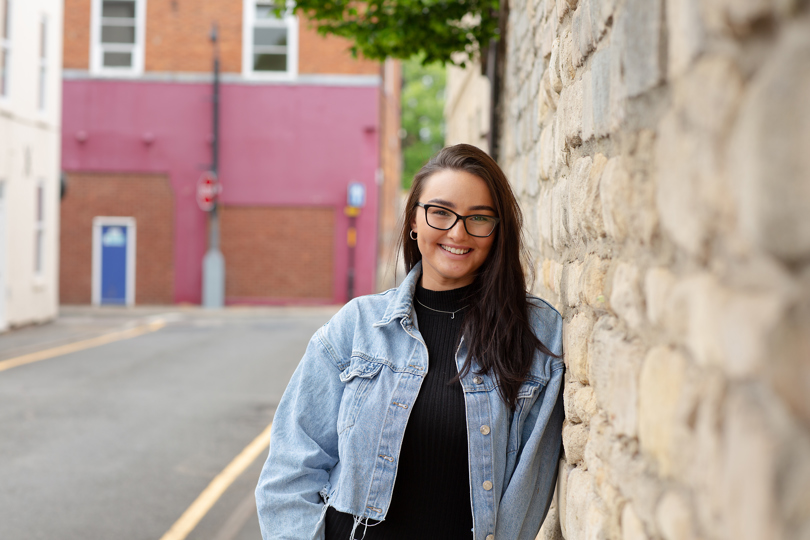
338, 429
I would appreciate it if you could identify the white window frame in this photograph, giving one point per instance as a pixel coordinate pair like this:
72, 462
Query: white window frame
290, 21
5, 47
39, 228
98, 223
43, 64
97, 49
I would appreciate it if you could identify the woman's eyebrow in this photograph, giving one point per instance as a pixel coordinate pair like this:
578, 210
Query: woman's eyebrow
448, 204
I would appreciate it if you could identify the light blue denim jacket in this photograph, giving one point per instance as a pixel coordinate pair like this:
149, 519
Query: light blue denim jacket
338, 429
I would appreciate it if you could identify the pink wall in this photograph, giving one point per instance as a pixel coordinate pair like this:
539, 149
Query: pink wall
280, 145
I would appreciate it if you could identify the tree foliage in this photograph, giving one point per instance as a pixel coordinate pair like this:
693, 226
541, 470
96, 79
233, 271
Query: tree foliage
422, 100
433, 29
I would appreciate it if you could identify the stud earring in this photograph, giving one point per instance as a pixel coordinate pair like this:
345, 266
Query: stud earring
412, 234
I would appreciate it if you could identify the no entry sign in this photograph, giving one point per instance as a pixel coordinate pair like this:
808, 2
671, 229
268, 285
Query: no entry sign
208, 190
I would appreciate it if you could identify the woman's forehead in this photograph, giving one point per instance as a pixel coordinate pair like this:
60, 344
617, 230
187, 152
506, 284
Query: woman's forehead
457, 190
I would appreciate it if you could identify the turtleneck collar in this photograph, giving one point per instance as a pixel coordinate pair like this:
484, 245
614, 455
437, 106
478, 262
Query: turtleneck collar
444, 300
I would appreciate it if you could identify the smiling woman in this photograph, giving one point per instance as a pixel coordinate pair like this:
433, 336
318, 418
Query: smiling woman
433, 410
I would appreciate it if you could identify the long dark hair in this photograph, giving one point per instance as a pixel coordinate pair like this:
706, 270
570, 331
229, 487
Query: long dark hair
497, 328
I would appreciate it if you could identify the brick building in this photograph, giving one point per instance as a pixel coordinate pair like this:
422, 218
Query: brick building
299, 120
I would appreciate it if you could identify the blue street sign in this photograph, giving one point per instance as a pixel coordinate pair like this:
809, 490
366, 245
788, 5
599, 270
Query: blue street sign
357, 195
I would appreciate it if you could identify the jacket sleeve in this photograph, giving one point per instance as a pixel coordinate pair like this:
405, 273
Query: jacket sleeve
520, 516
303, 448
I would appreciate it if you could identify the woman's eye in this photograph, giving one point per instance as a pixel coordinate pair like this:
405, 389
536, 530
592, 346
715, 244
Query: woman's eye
440, 213
480, 219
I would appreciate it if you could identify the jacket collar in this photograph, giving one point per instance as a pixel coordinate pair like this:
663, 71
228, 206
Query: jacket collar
401, 304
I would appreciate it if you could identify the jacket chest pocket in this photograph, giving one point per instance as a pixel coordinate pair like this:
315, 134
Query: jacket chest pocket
357, 379
526, 398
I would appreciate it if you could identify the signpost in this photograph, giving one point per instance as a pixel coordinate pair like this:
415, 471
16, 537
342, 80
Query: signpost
355, 200
208, 190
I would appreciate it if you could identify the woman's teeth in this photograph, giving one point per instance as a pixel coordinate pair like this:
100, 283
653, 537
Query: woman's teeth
454, 250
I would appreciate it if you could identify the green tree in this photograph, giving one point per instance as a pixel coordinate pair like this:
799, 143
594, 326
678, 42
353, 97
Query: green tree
422, 130
380, 29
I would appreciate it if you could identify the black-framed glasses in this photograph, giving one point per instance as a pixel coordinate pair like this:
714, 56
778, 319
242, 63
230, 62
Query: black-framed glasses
445, 219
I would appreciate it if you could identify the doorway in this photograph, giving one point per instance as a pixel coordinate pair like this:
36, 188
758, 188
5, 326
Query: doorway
114, 240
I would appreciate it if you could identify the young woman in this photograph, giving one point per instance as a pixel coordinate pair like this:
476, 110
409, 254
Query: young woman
433, 410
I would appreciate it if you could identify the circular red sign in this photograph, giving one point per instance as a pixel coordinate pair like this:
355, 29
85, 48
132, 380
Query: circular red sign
208, 189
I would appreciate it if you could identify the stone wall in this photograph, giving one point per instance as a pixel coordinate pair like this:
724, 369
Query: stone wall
661, 152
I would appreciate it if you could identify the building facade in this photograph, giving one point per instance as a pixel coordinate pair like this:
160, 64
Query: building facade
300, 120
30, 116
659, 153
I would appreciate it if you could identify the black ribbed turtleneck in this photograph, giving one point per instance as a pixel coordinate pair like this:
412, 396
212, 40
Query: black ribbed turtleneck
432, 489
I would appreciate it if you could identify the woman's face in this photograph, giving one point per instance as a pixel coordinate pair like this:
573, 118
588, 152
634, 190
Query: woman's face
451, 258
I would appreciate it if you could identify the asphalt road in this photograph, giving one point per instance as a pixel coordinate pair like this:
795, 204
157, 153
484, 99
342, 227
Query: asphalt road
116, 441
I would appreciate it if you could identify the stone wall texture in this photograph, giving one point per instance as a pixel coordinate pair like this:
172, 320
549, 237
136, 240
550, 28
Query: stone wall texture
661, 153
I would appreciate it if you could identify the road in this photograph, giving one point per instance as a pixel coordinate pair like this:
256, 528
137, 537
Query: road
118, 440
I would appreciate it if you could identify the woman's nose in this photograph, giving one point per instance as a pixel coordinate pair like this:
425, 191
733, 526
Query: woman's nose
457, 230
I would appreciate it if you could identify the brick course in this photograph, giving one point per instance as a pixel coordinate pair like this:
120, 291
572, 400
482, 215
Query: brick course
147, 198
277, 253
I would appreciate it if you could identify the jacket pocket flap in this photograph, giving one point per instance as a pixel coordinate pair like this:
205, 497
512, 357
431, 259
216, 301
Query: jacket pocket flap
360, 367
529, 387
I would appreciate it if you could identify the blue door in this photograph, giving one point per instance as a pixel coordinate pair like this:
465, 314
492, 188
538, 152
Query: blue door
114, 264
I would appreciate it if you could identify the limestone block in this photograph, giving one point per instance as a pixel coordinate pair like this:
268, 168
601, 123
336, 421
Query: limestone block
749, 464
580, 497
747, 321
674, 517
789, 349
561, 492
614, 375
658, 284
638, 26
569, 391
583, 403
552, 275
600, 91
597, 523
577, 337
550, 530
617, 94
560, 146
625, 297
601, 12
582, 30
768, 157
554, 67
572, 113
567, 66
686, 34
615, 191
547, 151
572, 273
559, 212
587, 106
532, 175
574, 438
632, 528
545, 214
592, 282
578, 196
660, 393
740, 17
692, 195
592, 225
706, 299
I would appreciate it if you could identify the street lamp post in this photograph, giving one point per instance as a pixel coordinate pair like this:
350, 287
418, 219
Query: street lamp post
213, 293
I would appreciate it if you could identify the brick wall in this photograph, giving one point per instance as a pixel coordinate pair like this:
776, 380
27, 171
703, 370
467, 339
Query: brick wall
147, 198
660, 154
275, 254
177, 40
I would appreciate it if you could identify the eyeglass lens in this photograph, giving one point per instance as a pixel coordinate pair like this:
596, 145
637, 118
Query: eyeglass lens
478, 225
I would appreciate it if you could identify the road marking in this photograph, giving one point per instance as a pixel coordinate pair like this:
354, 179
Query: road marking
81, 345
210, 495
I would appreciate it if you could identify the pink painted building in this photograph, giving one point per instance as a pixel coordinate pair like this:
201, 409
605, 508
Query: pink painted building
299, 121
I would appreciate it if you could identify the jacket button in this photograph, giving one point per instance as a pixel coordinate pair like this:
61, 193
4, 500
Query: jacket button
484, 430
478, 380
487, 485
490, 537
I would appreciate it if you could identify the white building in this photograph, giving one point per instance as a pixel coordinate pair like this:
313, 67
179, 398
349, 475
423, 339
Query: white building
30, 117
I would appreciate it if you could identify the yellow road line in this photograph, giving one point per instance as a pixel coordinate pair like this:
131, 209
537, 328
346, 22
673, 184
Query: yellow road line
81, 345
210, 495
